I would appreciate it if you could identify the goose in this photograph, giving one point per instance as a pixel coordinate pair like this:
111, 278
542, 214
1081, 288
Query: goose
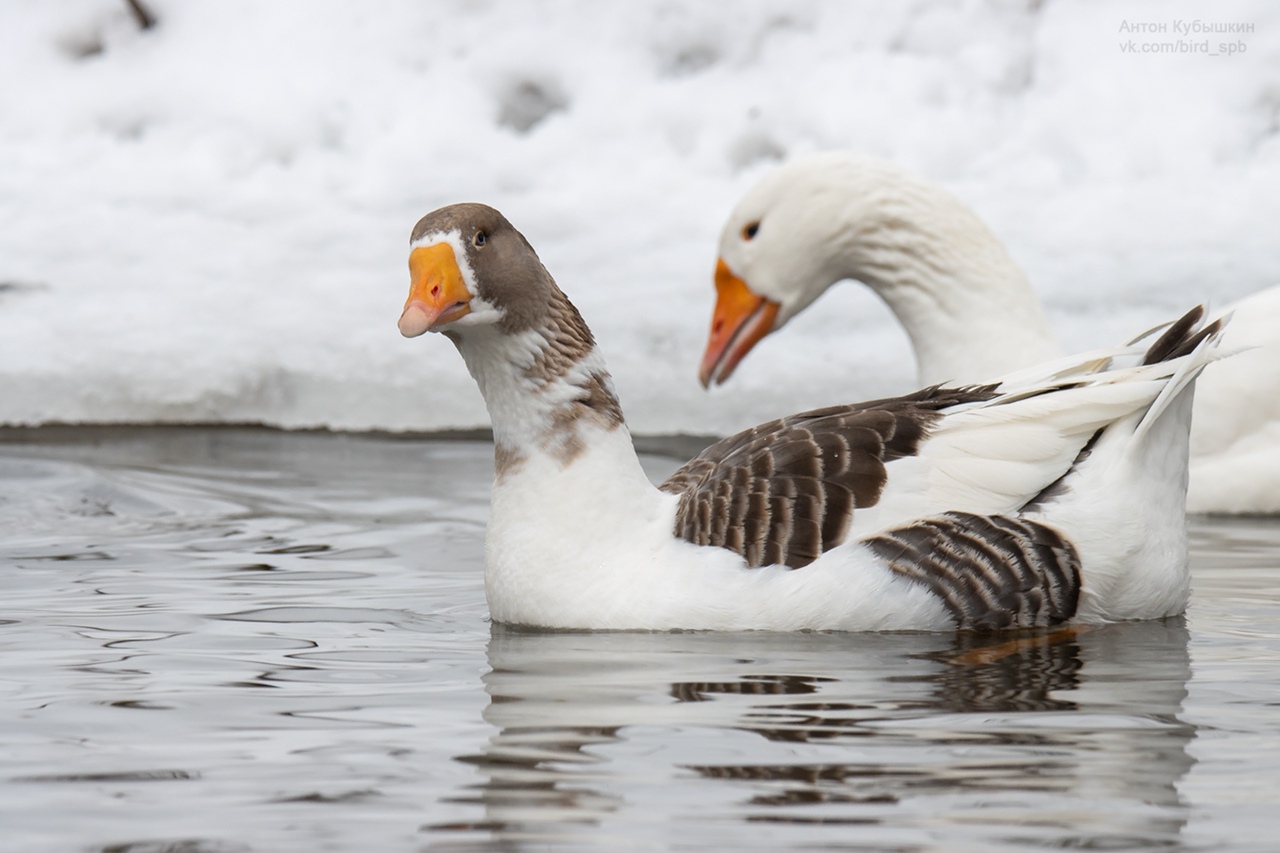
1053, 495
966, 305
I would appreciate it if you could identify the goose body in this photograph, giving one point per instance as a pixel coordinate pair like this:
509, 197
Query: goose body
1054, 495
965, 304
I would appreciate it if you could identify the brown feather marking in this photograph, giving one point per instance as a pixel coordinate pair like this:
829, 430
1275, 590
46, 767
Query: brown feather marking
837, 515
991, 572
568, 341
595, 403
803, 476
506, 460
1180, 338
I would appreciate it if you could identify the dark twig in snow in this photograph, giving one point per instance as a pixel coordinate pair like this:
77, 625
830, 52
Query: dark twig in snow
141, 14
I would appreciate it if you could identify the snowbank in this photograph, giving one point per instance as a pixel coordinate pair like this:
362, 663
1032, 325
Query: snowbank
207, 221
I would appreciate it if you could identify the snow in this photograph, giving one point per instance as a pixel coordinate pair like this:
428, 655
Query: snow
208, 221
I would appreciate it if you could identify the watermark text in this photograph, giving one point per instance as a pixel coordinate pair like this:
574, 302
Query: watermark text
1153, 37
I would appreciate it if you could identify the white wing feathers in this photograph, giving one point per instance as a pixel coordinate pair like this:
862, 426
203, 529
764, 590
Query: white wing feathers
995, 456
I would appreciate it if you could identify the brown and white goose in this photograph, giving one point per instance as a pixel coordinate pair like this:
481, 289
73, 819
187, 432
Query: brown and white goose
1054, 495
965, 304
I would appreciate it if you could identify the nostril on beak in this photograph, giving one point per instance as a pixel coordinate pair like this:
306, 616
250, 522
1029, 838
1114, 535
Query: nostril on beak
435, 291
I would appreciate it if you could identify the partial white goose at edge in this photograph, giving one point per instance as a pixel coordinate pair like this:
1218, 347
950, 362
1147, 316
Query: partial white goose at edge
967, 307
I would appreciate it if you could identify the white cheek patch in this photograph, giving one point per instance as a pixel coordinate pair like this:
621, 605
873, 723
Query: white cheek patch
482, 313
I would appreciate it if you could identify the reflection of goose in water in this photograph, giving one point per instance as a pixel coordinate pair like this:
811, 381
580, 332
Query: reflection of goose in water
1071, 738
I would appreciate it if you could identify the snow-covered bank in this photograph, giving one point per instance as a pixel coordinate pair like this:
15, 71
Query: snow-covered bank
208, 220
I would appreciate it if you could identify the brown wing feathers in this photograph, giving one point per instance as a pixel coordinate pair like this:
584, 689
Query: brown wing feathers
991, 572
785, 491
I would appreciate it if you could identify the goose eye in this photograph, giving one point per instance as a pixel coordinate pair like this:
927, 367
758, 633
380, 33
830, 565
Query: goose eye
480, 239
749, 230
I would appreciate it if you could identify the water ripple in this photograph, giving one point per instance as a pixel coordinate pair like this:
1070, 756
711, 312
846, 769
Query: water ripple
218, 640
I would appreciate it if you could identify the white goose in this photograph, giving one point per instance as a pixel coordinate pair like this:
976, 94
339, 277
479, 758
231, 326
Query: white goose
1055, 495
965, 304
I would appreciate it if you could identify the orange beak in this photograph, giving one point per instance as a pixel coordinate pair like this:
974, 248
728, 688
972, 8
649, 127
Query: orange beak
740, 320
437, 293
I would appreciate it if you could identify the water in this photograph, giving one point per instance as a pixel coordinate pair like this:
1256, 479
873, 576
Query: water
238, 640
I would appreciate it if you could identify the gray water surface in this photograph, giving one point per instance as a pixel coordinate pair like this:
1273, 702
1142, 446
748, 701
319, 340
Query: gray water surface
241, 640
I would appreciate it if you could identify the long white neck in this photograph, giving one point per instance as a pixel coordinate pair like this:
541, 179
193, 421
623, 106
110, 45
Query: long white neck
542, 401
557, 425
569, 493
966, 305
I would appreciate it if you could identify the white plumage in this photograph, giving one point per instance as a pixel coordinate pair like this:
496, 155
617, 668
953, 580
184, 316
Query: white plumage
579, 538
968, 308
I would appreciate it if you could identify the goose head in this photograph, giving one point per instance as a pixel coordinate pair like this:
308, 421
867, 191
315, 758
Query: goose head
476, 280
839, 215
804, 227
469, 269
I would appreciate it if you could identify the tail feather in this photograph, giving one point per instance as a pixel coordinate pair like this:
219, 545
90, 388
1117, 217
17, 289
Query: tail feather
1124, 506
1185, 338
